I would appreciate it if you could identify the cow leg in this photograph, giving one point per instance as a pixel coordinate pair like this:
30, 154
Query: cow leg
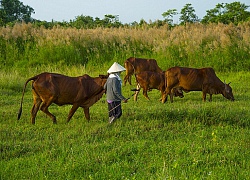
34, 111
162, 95
170, 82
129, 79
72, 111
210, 98
44, 108
145, 93
125, 80
138, 87
86, 112
36, 104
204, 96
171, 97
166, 93
172, 94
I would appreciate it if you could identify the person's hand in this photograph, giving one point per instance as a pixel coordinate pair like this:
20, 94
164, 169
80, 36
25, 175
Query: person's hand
125, 100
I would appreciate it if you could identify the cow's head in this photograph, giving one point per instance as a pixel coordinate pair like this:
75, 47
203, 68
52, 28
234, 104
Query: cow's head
227, 92
103, 79
178, 92
103, 76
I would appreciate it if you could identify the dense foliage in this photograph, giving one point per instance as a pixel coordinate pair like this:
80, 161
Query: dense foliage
12, 11
227, 13
188, 15
224, 47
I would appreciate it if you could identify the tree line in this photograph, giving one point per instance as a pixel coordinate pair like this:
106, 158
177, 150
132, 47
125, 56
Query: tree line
13, 11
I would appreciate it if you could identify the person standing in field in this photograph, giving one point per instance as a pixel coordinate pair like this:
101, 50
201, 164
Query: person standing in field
113, 88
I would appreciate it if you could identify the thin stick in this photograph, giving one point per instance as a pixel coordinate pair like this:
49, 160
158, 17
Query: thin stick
115, 107
119, 104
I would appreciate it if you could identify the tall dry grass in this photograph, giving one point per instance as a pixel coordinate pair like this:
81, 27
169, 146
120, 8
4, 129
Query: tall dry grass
224, 47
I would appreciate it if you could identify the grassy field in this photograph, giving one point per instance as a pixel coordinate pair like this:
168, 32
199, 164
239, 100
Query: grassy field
187, 139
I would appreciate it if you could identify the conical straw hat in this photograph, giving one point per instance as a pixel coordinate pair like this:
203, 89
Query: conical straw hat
116, 68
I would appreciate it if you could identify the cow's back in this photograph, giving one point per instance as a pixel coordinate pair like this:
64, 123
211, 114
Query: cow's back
58, 88
146, 65
139, 64
210, 76
151, 79
187, 78
191, 79
129, 65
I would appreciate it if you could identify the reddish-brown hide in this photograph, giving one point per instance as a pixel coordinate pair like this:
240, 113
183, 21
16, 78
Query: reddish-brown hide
191, 79
48, 88
136, 65
148, 80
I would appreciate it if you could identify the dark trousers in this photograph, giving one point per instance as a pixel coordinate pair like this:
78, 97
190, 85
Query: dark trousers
115, 109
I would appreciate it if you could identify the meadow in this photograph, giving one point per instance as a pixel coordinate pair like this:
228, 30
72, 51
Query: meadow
187, 139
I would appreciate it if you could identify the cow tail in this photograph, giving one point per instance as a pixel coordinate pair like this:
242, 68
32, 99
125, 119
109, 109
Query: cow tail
126, 67
166, 81
137, 83
133, 65
127, 76
136, 79
21, 104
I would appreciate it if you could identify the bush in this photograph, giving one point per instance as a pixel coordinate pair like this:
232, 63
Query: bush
224, 47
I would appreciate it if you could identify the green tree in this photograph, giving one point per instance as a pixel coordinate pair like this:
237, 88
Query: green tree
111, 21
188, 15
14, 10
142, 22
83, 22
227, 13
168, 16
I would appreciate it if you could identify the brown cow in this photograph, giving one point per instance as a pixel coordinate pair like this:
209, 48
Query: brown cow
136, 65
153, 80
191, 79
48, 88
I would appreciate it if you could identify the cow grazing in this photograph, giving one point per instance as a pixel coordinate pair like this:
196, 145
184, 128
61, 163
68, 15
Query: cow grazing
48, 88
136, 65
148, 80
191, 79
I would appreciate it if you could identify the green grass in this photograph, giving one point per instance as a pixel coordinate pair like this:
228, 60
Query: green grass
187, 139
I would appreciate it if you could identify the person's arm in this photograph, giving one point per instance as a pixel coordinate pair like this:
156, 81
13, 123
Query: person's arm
105, 87
117, 90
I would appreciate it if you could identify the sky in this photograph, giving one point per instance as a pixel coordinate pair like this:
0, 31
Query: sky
128, 11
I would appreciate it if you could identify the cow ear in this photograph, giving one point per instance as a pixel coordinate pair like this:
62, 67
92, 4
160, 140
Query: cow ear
228, 83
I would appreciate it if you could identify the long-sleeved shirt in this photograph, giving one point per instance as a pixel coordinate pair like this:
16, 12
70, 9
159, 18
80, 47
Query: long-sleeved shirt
113, 89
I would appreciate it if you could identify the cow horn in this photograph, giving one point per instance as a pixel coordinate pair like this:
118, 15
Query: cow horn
225, 85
